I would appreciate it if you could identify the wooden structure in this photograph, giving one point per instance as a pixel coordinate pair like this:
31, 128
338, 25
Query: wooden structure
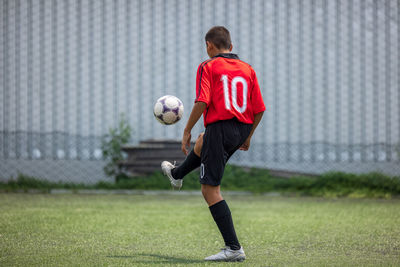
146, 157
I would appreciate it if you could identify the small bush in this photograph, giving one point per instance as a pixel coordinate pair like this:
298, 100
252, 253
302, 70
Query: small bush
111, 146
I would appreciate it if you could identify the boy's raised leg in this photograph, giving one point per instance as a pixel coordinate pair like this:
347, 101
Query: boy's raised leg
192, 161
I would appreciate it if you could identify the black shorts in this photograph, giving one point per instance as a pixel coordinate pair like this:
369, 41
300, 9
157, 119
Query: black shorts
221, 139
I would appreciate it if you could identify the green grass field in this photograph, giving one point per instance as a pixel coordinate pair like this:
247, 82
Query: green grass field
134, 230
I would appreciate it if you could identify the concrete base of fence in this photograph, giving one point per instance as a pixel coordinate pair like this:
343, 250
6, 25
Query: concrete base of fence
74, 171
91, 171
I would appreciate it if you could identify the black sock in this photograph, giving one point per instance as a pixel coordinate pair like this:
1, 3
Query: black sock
223, 218
191, 162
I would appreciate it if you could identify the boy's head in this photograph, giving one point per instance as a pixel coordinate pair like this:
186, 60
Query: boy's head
218, 40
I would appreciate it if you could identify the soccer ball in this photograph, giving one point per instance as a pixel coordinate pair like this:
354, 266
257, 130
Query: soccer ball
168, 109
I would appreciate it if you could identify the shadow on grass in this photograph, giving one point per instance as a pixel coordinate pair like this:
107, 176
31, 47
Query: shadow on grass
161, 259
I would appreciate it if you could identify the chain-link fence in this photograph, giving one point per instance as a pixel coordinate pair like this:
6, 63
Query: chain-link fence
329, 72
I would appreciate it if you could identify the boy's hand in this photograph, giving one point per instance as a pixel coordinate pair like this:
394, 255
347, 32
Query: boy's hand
257, 119
245, 145
187, 136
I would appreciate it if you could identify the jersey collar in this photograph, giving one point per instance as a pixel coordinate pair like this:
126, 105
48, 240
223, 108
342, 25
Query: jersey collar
227, 55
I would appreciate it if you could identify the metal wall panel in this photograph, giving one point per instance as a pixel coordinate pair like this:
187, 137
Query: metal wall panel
329, 72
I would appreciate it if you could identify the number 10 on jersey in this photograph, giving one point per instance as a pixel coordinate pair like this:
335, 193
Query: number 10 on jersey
234, 83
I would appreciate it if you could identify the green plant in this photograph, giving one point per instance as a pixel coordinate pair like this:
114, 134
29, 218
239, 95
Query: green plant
111, 147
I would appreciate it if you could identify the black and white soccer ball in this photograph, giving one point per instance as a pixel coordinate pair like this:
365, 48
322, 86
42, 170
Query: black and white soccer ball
168, 109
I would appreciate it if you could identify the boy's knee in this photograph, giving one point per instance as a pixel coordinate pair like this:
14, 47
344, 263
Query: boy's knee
198, 145
211, 194
200, 139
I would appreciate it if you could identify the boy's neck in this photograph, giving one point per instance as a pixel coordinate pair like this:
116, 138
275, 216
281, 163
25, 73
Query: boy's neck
222, 51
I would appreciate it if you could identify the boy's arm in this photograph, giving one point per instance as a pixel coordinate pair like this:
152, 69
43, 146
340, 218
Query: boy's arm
195, 115
257, 119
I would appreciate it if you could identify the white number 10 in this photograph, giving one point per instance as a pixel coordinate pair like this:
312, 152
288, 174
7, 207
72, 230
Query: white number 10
234, 83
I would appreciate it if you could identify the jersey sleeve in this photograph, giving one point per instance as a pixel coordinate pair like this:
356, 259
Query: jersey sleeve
203, 82
257, 101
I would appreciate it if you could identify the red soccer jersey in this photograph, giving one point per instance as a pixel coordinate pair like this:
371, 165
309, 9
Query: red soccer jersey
230, 89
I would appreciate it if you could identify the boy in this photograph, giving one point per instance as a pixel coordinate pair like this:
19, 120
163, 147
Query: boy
229, 97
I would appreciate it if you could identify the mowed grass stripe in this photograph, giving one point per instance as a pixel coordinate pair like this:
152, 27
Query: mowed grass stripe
135, 230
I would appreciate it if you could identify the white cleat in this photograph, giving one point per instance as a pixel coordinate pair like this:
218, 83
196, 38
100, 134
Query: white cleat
227, 254
166, 167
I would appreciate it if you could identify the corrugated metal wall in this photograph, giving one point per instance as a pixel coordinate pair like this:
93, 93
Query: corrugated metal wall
329, 72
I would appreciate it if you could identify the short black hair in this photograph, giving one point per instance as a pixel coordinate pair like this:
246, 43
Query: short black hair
220, 37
